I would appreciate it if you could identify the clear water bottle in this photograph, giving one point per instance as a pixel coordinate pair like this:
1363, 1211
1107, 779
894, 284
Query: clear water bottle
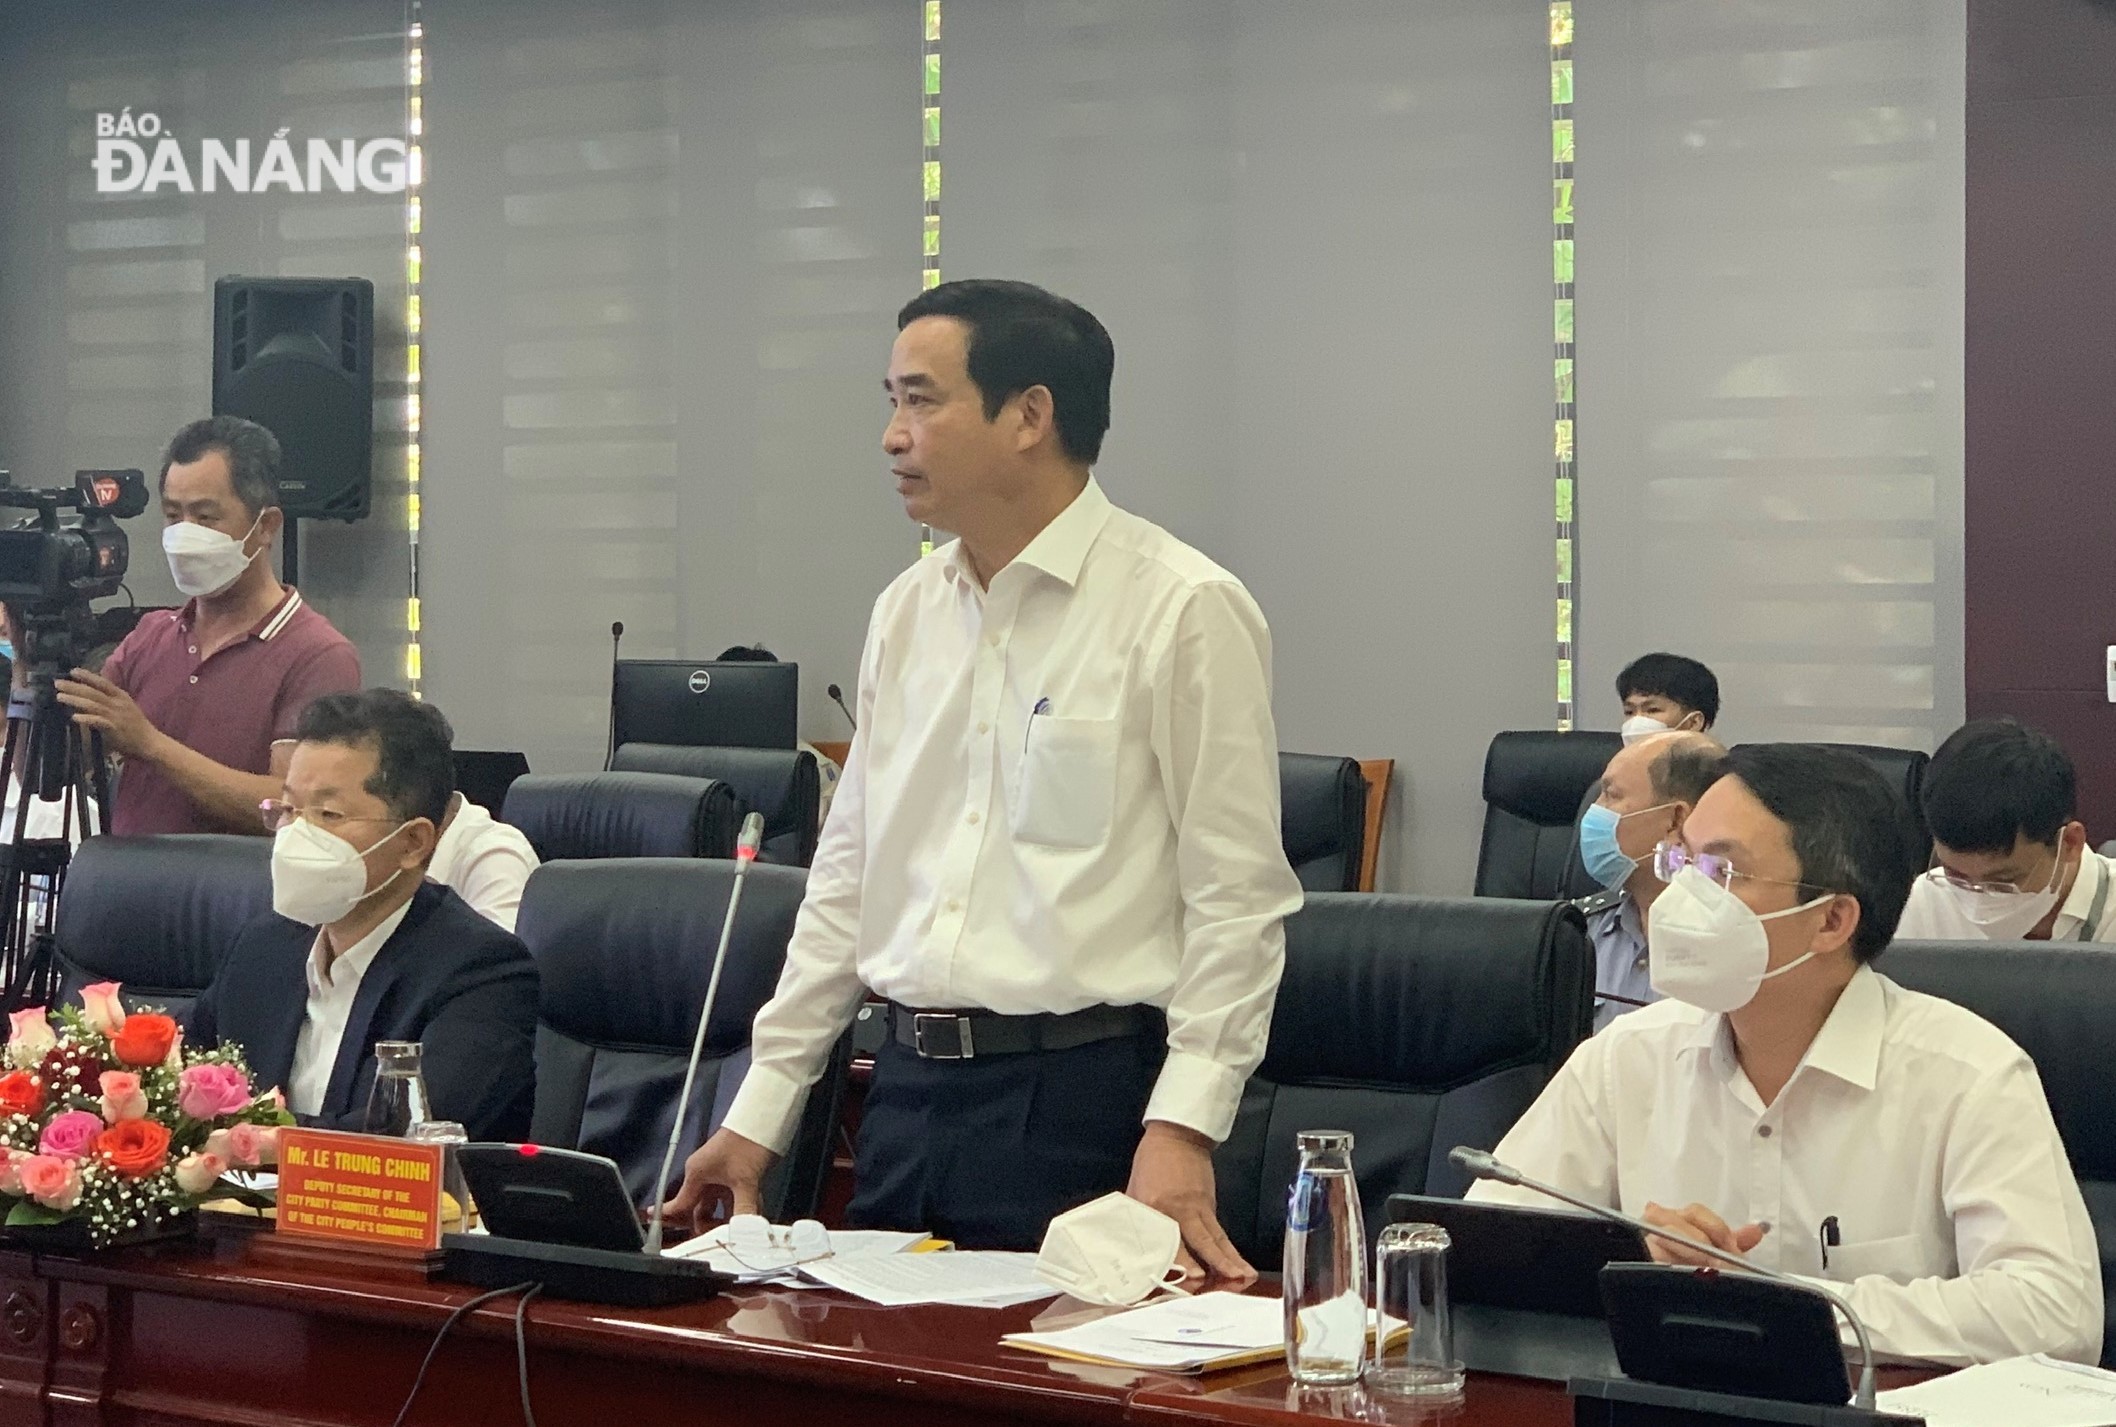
397, 1100
1326, 1264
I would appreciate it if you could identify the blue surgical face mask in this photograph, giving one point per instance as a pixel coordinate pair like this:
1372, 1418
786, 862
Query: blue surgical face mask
1605, 861
7, 650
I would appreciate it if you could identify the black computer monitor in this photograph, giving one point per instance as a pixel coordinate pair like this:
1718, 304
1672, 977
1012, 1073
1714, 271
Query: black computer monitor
702, 702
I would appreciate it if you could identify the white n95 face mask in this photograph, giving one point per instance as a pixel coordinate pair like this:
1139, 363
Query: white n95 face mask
318, 878
202, 560
1114, 1251
2003, 916
1708, 948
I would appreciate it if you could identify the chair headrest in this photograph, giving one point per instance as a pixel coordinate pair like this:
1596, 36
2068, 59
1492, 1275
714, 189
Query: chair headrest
625, 947
771, 781
1541, 775
1414, 992
586, 815
161, 912
1316, 794
2056, 1000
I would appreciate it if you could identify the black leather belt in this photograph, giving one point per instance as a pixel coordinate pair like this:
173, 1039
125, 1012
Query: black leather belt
967, 1035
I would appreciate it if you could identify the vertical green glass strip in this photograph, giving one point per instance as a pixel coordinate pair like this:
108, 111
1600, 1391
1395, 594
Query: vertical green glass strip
929, 169
1564, 384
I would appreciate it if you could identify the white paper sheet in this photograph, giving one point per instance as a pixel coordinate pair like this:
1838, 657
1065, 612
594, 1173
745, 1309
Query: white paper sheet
2035, 1391
976, 1279
1176, 1334
844, 1243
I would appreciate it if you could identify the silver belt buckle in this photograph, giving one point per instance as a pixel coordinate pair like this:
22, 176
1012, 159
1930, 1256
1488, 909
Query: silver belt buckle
923, 1022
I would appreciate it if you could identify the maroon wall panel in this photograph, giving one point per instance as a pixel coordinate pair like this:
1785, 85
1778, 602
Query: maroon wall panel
2039, 483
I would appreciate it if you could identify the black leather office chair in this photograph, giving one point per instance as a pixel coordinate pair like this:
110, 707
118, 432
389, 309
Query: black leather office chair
2057, 1000
1534, 783
1322, 819
576, 816
158, 913
625, 949
1904, 768
484, 778
781, 783
1417, 1023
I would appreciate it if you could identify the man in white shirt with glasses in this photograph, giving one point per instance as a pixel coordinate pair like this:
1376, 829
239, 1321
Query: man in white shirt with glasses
2011, 860
1055, 848
1789, 1103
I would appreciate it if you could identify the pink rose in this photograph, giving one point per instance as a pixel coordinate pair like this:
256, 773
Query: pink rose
245, 1146
122, 1097
101, 1006
206, 1092
10, 1164
29, 1036
55, 1183
197, 1173
69, 1135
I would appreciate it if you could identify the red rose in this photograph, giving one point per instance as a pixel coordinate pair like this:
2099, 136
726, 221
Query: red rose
21, 1094
134, 1148
144, 1040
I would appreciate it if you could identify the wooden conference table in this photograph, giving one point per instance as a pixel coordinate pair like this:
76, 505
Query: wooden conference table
231, 1328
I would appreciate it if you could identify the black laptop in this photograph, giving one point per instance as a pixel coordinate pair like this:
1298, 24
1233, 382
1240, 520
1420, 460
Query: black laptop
1524, 1286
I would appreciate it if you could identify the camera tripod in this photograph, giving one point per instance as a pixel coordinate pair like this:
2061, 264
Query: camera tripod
57, 760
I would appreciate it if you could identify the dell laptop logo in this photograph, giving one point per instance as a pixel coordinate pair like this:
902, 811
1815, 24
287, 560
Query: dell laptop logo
701, 680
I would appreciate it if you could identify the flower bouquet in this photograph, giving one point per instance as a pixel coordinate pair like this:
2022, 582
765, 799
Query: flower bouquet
110, 1128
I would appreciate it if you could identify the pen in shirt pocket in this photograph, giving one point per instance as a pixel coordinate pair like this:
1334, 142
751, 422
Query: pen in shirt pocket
1830, 1237
1043, 706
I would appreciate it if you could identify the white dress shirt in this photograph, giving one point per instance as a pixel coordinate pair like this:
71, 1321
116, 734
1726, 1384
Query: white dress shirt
1063, 793
47, 817
1915, 1124
486, 861
2088, 914
332, 988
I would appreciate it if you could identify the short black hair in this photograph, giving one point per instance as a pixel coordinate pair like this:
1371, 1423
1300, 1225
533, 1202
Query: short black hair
1672, 676
1022, 336
1682, 774
1994, 780
746, 654
252, 452
415, 773
1849, 827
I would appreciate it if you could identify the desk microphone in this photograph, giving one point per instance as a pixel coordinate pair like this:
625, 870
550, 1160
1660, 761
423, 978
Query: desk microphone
1482, 1166
745, 853
617, 634
837, 696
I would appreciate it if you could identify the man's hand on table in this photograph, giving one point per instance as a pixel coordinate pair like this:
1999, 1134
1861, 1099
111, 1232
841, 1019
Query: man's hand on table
1172, 1172
722, 1178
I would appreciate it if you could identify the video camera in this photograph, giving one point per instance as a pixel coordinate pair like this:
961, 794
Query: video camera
52, 566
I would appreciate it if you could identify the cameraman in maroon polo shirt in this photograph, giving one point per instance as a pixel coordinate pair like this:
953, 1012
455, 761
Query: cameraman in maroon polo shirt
195, 700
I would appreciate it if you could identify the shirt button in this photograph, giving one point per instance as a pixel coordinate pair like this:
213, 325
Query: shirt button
974, 819
984, 728
954, 907
194, 649
194, 678
993, 640
1764, 1130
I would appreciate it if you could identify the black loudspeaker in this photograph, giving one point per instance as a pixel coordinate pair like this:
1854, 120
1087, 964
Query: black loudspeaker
296, 355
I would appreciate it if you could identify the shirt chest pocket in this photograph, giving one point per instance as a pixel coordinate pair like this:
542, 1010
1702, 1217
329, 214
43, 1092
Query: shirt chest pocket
1067, 794
1900, 1259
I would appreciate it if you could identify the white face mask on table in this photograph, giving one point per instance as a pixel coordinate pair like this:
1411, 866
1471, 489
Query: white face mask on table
1113, 1251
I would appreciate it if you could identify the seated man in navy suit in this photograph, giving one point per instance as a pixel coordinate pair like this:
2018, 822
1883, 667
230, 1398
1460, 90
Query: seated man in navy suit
361, 948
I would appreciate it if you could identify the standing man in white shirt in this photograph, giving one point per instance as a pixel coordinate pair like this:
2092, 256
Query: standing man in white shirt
1055, 849
1805, 1111
2013, 864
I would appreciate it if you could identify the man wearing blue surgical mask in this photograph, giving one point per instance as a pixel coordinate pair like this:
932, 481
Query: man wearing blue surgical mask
2012, 861
1647, 790
1789, 1103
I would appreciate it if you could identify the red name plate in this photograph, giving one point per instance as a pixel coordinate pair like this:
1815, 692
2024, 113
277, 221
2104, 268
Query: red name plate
360, 1189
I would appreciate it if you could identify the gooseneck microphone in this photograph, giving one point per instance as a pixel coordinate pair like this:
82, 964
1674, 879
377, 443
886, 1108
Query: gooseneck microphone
837, 696
745, 853
617, 634
1483, 1166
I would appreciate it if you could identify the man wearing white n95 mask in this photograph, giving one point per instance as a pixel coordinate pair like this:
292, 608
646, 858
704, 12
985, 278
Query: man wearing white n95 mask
2002, 804
1055, 848
1789, 1103
200, 702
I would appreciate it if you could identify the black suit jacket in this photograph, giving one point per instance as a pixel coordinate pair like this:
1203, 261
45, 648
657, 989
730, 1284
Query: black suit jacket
446, 977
